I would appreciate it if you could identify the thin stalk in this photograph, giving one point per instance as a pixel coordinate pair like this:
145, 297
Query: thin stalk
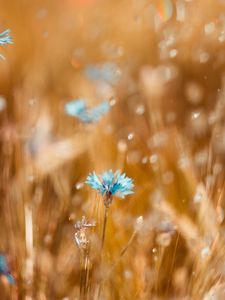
103, 240
84, 273
161, 254
29, 246
81, 274
172, 264
87, 272
104, 226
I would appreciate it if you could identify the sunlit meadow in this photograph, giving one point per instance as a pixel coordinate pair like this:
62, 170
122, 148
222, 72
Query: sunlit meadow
112, 138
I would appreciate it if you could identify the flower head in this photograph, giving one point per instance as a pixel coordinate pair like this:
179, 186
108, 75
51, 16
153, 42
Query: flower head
4, 269
79, 109
110, 183
5, 38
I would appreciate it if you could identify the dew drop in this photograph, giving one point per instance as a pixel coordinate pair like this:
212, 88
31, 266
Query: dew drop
173, 53
153, 158
140, 109
144, 160
205, 252
112, 101
130, 136
79, 185
198, 197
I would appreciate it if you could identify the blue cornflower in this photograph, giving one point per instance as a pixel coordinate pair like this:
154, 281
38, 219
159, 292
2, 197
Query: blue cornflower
4, 269
78, 108
109, 184
5, 39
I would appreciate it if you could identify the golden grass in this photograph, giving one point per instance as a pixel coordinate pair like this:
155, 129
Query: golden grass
166, 131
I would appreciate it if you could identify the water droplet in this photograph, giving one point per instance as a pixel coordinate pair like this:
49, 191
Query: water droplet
198, 123
195, 115
205, 252
112, 101
130, 136
173, 53
140, 109
79, 185
144, 160
153, 158
198, 197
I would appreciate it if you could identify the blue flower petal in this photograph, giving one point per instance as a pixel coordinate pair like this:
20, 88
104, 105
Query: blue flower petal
107, 177
99, 110
75, 107
5, 38
3, 265
78, 108
10, 279
95, 183
4, 269
116, 184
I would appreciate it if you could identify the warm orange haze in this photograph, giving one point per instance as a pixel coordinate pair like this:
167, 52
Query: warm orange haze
112, 150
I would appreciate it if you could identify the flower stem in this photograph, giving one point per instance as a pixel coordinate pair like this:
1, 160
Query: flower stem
84, 276
104, 226
107, 202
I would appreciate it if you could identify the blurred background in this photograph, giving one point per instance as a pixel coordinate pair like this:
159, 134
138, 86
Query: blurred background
160, 64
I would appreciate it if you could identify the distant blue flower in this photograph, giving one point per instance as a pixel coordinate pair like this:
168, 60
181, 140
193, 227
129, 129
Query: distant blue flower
108, 72
78, 108
5, 38
4, 269
110, 183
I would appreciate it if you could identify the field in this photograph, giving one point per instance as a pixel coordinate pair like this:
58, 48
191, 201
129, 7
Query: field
135, 86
